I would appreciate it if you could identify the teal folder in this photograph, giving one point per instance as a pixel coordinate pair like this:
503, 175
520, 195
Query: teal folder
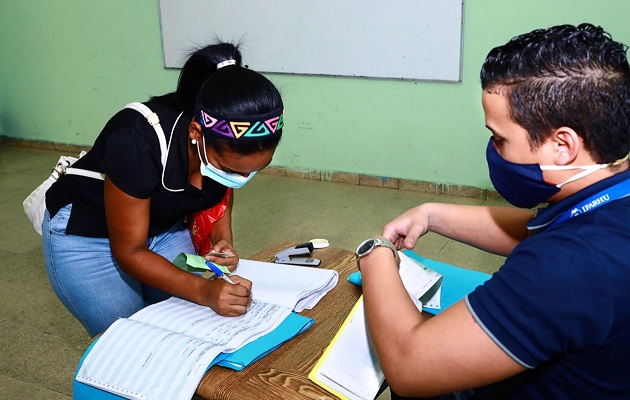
292, 326
457, 281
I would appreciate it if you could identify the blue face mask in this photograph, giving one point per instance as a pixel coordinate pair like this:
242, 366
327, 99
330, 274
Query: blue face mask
228, 179
523, 185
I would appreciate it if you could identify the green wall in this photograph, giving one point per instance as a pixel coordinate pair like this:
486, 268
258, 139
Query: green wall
67, 65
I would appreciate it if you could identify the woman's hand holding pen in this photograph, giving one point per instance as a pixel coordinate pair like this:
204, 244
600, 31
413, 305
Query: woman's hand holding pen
231, 296
228, 299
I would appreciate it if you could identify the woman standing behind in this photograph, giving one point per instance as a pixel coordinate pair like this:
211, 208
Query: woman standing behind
108, 245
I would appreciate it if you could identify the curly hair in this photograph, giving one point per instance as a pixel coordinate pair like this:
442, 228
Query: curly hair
573, 76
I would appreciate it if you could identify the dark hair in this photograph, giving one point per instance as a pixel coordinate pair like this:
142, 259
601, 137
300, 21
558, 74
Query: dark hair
566, 76
231, 90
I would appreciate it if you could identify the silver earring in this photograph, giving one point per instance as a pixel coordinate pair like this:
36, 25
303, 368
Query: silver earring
194, 142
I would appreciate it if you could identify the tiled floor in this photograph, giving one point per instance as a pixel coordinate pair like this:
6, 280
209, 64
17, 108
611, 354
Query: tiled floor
41, 343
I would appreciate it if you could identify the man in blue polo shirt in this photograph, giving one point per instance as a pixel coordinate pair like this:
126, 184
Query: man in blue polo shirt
554, 321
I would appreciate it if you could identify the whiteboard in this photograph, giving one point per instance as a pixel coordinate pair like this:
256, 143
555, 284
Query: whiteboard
396, 39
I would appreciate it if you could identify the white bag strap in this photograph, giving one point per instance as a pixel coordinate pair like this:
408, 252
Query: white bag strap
154, 121
84, 172
64, 166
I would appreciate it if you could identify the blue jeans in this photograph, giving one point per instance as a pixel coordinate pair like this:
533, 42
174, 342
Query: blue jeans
90, 283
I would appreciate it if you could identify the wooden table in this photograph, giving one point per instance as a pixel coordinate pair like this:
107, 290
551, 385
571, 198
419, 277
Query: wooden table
283, 374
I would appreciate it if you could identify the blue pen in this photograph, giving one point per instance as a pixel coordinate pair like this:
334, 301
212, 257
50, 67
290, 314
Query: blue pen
219, 273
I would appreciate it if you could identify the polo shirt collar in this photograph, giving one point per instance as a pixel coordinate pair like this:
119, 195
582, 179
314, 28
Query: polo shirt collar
547, 215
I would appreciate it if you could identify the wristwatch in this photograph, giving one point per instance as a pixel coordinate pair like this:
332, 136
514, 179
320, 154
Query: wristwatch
367, 246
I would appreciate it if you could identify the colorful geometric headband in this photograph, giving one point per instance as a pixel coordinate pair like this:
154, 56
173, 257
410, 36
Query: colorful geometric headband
243, 126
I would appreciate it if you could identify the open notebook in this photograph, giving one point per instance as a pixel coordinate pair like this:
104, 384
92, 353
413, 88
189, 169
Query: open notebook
163, 351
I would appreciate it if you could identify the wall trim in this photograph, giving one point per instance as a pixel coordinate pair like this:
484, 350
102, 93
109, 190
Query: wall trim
319, 175
384, 182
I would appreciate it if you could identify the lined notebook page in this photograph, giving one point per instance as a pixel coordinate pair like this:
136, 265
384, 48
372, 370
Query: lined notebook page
162, 351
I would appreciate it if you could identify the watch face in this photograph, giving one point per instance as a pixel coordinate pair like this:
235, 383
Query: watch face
365, 247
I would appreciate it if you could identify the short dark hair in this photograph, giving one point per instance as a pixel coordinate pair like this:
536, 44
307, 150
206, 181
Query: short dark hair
574, 76
233, 90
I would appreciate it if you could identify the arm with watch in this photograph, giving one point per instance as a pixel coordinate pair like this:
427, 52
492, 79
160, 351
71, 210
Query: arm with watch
491, 228
416, 355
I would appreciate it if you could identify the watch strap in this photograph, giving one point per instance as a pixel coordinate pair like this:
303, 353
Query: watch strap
377, 242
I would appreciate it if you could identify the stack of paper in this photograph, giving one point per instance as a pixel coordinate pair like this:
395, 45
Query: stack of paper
285, 284
292, 286
349, 367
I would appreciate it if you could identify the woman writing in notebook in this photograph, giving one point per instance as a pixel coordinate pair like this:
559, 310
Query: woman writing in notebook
108, 245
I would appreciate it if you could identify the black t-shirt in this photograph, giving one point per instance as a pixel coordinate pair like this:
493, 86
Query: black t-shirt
128, 151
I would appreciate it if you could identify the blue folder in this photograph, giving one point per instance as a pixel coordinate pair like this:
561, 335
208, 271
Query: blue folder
457, 282
292, 326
